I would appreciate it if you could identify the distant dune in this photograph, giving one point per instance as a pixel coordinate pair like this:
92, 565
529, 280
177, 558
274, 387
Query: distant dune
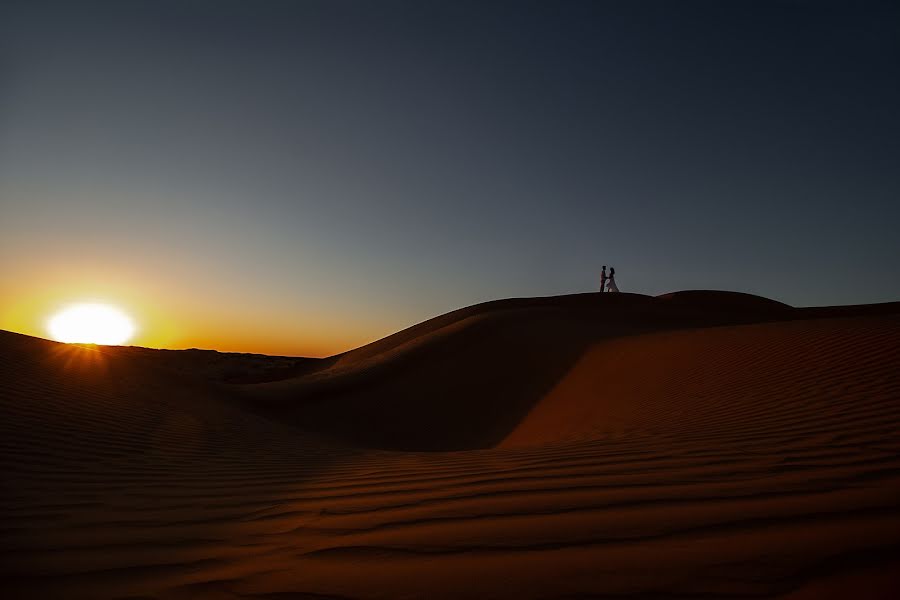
698, 444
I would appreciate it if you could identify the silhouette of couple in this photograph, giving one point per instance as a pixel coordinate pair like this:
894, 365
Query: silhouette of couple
608, 284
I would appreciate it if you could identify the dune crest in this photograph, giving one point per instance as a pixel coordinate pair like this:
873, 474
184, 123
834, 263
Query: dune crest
424, 388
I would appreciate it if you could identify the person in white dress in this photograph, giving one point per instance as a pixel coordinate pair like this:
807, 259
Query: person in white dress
611, 281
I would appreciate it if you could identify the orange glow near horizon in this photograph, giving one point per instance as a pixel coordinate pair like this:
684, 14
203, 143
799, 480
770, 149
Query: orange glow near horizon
153, 327
171, 315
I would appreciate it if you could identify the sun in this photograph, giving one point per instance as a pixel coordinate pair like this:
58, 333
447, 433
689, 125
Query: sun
91, 324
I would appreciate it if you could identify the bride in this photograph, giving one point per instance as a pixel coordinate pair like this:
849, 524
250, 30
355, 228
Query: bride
611, 282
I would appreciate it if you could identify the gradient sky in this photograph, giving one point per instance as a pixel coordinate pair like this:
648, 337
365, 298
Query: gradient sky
304, 177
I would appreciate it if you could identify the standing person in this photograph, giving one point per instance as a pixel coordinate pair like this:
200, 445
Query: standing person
612, 287
603, 279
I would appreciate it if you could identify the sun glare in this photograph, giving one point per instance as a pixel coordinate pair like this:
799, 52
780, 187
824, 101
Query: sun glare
91, 324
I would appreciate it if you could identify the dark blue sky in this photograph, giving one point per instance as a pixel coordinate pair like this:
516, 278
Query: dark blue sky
382, 162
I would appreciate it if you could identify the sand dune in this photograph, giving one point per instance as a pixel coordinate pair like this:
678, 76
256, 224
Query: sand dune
699, 444
425, 388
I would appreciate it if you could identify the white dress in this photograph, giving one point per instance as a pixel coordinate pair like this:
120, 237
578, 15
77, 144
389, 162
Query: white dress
611, 284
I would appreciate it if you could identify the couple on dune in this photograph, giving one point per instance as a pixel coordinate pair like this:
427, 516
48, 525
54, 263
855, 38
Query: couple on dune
608, 284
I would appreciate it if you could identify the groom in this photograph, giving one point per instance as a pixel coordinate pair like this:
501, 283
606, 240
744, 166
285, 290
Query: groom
603, 279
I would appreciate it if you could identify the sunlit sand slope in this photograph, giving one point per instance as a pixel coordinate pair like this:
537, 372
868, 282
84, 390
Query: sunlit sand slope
664, 457
742, 384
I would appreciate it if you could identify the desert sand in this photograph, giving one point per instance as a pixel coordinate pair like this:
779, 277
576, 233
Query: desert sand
698, 444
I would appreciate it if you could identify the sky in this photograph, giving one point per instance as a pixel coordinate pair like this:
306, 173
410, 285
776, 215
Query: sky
304, 177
